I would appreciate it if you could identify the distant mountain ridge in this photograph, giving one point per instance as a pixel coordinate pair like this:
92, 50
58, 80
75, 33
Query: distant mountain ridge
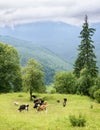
51, 62
58, 37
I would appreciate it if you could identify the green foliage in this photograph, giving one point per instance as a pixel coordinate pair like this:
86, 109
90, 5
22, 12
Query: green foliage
97, 95
50, 89
84, 82
97, 82
79, 121
33, 77
95, 87
10, 72
64, 82
85, 68
86, 57
92, 90
53, 90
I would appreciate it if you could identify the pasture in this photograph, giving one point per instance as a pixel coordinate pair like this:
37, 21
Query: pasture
57, 116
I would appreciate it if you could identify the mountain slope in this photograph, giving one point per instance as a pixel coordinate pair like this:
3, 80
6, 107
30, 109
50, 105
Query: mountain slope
60, 38
51, 62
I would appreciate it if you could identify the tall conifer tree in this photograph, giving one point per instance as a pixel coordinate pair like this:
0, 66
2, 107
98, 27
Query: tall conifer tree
86, 57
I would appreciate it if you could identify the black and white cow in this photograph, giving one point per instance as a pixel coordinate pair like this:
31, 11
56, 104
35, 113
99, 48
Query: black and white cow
38, 102
23, 107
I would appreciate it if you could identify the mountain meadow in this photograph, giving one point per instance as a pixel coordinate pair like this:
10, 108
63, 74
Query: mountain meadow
47, 86
57, 117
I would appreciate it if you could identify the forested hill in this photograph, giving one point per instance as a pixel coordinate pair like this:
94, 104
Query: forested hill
50, 61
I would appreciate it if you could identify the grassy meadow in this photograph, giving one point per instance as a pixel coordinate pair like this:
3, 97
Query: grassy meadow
56, 118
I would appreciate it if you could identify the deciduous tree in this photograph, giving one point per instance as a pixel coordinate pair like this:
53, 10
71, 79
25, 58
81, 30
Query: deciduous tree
33, 77
64, 82
10, 72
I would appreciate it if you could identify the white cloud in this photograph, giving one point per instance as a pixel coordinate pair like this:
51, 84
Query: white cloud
13, 12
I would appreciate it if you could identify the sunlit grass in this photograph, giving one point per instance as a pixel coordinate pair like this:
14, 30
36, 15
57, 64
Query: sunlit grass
56, 118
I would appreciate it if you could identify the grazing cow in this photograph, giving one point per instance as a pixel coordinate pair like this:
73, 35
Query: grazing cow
42, 108
23, 107
64, 102
38, 102
36, 105
58, 101
45, 103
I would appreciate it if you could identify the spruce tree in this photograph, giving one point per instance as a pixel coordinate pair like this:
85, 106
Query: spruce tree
86, 57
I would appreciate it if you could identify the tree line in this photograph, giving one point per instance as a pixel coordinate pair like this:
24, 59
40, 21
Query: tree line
84, 79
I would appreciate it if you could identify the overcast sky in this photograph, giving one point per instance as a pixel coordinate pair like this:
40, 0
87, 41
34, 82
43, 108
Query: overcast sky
13, 12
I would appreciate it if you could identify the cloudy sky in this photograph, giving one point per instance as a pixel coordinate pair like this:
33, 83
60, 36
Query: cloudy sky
13, 12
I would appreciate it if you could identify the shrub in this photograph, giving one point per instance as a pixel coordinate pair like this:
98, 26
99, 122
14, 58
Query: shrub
92, 90
77, 121
20, 95
53, 90
97, 95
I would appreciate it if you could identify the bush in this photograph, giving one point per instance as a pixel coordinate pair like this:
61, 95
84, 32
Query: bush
97, 95
92, 90
50, 89
77, 121
53, 90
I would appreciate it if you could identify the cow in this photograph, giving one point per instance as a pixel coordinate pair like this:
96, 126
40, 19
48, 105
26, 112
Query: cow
58, 101
64, 102
38, 102
23, 107
42, 107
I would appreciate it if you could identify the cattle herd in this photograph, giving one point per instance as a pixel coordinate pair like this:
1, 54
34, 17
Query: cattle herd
39, 104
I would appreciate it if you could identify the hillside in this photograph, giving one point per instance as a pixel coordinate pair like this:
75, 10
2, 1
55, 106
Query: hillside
60, 38
50, 61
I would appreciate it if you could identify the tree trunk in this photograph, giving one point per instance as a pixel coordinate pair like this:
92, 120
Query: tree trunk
30, 94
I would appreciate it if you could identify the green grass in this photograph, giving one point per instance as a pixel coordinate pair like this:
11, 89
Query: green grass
56, 118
